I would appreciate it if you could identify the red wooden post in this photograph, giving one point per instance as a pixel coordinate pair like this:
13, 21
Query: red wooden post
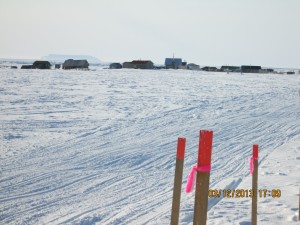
178, 181
254, 184
202, 183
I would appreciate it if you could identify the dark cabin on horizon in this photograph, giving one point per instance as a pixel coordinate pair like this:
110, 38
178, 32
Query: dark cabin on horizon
173, 63
193, 66
230, 69
290, 72
210, 69
26, 67
75, 64
115, 66
250, 69
41, 65
266, 70
139, 64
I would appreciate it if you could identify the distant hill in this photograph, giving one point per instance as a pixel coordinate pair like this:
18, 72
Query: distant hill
62, 58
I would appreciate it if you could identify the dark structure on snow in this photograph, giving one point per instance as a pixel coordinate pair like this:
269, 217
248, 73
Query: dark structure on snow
38, 65
210, 69
26, 67
41, 65
290, 72
266, 71
193, 66
75, 64
250, 69
230, 69
173, 63
115, 66
57, 66
139, 64
183, 66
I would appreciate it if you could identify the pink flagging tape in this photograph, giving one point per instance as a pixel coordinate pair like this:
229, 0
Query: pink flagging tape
252, 165
191, 177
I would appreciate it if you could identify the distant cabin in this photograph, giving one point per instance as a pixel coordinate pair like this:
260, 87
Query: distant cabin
26, 67
290, 72
127, 65
115, 66
75, 64
57, 66
41, 65
210, 69
139, 64
183, 66
173, 63
193, 66
230, 69
14, 67
250, 69
266, 71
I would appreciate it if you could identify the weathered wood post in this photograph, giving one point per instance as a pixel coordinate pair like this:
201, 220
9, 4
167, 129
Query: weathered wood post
203, 173
254, 162
178, 181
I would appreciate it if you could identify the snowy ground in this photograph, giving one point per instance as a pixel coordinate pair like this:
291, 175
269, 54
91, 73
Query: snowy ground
98, 147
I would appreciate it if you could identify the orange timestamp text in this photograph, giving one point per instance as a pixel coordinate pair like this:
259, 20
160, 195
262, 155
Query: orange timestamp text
243, 193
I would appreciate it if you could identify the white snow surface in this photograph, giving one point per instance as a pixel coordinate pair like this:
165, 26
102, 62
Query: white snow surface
98, 147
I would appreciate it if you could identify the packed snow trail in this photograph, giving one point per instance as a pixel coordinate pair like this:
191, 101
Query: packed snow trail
98, 147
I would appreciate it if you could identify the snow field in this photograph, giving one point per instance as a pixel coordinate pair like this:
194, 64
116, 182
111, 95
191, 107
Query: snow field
98, 147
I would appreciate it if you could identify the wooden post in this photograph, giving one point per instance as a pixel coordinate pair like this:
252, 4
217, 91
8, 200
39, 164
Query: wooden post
202, 183
254, 184
178, 181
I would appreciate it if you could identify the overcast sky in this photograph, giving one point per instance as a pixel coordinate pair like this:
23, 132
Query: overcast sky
206, 32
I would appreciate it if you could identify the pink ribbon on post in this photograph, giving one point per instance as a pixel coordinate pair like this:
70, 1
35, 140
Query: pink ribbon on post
252, 165
191, 177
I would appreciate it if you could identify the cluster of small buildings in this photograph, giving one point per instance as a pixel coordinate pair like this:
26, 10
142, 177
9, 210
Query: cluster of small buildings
177, 63
170, 63
67, 65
